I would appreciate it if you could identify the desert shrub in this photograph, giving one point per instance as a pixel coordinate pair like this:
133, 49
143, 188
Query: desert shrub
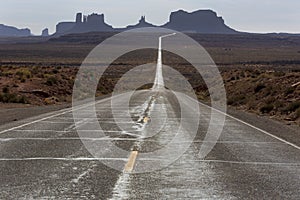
55, 71
102, 89
297, 113
7, 73
35, 70
51, 80
22, 99
232, 78
289, 90
236, 100
270, 100
266, 108
257, 72
259, 87
292, 107
279, 74
5, 89
22, 73
23, 80
243, 74
277, 104
268, 91
12, 98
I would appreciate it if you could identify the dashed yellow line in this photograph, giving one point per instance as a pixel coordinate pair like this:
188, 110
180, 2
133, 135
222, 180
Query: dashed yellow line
146, 119
131, 162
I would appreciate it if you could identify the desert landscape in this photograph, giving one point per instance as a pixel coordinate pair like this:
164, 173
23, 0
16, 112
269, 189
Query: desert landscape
261, 72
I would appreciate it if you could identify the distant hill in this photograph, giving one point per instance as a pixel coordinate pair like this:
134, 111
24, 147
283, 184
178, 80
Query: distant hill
10, 31
201, 21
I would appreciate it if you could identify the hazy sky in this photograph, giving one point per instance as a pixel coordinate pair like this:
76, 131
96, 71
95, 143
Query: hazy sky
243, 15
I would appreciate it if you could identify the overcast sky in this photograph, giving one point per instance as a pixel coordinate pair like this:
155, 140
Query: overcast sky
243, 15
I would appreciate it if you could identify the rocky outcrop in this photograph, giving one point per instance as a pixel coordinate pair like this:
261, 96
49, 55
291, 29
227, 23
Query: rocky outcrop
10, 31
45, 32
141, 24
201, 21
84, 24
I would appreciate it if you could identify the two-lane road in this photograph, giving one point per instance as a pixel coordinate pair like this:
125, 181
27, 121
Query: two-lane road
46, 159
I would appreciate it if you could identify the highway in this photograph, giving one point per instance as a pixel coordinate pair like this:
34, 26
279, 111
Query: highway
44, 158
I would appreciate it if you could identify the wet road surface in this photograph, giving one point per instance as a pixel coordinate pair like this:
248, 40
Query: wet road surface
46, 159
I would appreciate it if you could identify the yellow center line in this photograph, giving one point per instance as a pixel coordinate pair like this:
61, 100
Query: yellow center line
146, 119
131, 162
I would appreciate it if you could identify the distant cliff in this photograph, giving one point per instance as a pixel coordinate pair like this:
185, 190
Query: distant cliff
201, 21
84, 24
10, 31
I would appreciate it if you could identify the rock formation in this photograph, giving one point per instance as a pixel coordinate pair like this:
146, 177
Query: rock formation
45, 32
10, 31
142, 24
83, 24
201, 21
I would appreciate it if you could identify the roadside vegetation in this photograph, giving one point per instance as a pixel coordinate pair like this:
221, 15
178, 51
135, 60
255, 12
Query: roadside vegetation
265, 92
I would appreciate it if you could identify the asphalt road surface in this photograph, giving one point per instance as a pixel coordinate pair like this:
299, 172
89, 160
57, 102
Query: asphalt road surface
44, 157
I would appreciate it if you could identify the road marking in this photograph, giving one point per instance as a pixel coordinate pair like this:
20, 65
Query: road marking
100, 121
265, 132
67, 110
159, 79
36, 121
70, 131
247, 162
62, 159
250, 125
234, 142
131, 162
45, 118
121, 187
68, 138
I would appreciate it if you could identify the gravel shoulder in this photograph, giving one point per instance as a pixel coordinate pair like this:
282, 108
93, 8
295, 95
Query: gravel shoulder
288, 132
13, 113
17, 112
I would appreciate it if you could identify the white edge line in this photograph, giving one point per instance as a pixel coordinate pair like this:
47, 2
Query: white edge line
250, 125
63, 159
248, 163
67, 110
